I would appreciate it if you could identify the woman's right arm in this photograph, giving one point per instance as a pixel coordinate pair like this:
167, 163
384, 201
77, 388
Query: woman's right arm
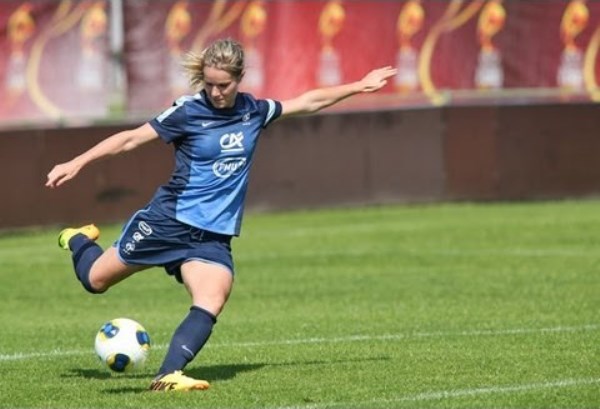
113, 145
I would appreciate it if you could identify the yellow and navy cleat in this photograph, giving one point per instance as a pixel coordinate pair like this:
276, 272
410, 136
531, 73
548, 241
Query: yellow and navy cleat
90, 230
177, 381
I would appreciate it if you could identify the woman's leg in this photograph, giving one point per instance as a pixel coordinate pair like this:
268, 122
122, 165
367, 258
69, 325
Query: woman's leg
209, 285
96, 269
108, 270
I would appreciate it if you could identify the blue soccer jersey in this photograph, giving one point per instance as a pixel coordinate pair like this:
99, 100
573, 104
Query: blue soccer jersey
213, 155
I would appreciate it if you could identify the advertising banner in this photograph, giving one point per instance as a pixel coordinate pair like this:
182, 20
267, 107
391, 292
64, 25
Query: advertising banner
456, 51
53, 60
55, 56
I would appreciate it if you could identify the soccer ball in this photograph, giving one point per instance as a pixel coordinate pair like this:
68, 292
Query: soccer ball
122, 344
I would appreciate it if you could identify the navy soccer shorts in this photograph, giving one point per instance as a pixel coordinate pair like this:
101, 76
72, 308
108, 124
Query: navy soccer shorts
151, 239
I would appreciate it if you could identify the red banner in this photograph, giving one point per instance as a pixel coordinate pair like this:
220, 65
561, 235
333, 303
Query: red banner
446, 52
55, 54
53, 60
290, 46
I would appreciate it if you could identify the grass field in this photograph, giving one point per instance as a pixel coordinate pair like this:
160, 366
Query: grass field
439, 306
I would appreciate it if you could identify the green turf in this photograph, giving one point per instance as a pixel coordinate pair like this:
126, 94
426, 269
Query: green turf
439, 306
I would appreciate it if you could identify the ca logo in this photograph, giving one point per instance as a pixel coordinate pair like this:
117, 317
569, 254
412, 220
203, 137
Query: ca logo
232, 142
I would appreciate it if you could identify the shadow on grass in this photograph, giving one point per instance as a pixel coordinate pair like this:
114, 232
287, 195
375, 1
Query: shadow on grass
221, 372
210, 373
101, 374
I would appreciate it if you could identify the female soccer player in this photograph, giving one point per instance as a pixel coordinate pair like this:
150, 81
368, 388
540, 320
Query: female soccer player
188, 225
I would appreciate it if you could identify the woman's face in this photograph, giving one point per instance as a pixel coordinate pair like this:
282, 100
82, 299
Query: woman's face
220, 87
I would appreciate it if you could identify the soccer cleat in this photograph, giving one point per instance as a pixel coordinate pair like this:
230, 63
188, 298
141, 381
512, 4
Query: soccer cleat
177, 381
90, 230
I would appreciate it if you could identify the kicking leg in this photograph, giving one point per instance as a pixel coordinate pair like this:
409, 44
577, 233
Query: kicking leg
96, 269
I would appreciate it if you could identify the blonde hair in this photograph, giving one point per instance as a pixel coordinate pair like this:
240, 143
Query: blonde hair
225, 54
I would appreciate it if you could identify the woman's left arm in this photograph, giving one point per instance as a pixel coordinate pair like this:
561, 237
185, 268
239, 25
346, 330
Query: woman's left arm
317, 99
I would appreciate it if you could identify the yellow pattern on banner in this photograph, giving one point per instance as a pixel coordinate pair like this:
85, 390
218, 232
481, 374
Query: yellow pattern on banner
218, 20
20, 28
574, 21
331, 21
62, 21
589, 66
491, 21
452, 19
177, 26
410, 21
253, 20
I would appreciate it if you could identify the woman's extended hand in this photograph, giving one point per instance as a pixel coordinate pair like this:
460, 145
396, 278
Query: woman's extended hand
376, 79
62, 173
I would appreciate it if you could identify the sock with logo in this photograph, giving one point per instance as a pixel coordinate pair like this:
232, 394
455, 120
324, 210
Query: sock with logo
188, 339
85, 252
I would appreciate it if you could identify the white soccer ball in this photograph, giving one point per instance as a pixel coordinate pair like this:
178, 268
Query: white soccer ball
122, 344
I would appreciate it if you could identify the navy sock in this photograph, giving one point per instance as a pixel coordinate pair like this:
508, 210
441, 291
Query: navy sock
85, 252
188, 340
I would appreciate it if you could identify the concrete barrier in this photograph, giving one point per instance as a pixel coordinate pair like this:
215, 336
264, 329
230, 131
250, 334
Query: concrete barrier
521, 152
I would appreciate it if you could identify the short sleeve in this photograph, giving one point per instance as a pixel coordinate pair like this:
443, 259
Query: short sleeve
171, 124
270, 110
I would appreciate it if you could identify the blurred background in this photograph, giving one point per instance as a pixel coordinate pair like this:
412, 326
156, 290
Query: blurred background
493, 100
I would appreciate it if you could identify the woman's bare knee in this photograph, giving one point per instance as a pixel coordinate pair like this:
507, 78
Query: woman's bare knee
108, 270
209, 284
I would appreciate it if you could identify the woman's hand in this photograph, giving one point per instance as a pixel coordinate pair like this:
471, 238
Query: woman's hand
376, 79
62, 173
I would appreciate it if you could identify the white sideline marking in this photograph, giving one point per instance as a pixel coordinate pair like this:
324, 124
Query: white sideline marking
495, 389
50, 354
388, 337
352, 338
457, 393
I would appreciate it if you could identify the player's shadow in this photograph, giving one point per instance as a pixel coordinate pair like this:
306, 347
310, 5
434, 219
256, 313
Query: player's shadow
211, 373
102, 374
224, 372
86, 373
97, 374
221, 372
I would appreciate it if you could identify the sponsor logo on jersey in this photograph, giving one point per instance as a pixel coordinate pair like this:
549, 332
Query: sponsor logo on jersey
129, 248
137, 236
145, 228
227, 167
232, 142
